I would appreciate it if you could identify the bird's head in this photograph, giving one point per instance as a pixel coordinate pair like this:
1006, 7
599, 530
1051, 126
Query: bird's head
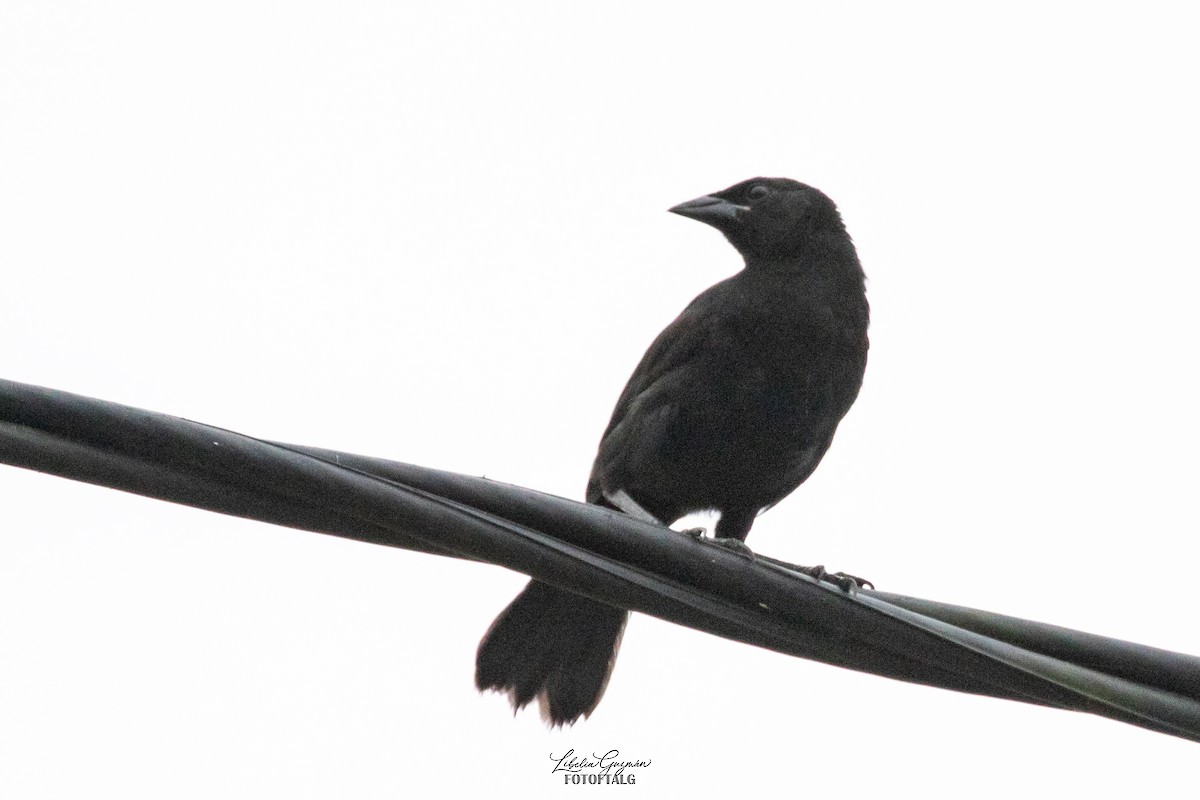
767, 218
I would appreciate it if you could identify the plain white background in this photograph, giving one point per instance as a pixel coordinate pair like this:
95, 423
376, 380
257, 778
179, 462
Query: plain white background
436, 232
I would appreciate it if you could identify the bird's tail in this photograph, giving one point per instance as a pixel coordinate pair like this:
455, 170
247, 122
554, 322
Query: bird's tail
553, 645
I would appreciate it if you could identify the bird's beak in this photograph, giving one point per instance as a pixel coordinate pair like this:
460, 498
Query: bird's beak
708, 209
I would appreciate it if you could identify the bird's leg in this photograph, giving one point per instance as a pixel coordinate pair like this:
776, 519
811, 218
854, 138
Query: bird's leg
732, 529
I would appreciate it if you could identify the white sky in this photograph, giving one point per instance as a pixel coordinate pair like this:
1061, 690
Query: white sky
436, 232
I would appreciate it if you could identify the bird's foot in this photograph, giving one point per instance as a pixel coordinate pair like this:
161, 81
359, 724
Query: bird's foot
847, 582
844, 581
859, 583
733, 545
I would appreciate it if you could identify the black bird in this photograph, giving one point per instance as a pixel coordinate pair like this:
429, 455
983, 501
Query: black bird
730, 409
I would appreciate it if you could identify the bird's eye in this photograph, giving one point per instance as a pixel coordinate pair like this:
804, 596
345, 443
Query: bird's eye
757, 192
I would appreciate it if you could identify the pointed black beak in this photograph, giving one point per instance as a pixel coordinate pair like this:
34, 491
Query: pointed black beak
709, 209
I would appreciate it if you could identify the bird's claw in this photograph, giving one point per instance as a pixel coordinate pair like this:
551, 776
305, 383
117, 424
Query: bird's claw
844, 581
848, 582
817, 573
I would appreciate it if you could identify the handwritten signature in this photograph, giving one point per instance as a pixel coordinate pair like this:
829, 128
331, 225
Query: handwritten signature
609, 763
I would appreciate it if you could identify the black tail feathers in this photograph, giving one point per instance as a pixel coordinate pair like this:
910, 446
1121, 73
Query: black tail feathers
551, 645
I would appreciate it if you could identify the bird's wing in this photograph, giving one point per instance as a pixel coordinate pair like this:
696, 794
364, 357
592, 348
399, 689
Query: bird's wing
642, 419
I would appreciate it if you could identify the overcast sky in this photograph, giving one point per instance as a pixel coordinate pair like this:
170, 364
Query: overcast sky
436, 232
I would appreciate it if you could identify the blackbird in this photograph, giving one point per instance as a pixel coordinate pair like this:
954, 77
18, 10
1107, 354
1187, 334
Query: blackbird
730, 409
